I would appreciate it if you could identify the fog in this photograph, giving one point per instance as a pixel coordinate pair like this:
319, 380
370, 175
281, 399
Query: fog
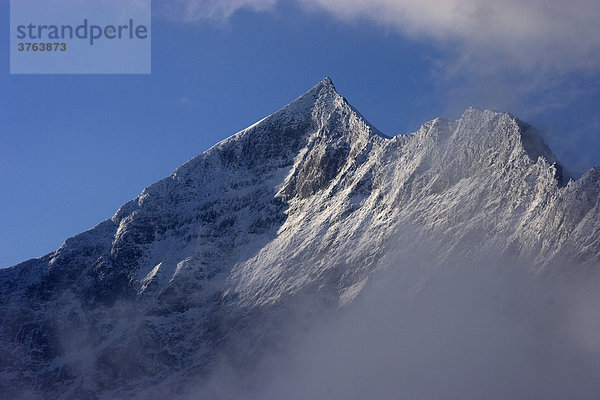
482, 330
466, 327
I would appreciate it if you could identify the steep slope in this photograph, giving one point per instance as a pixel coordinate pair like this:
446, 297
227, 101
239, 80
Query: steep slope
302, 206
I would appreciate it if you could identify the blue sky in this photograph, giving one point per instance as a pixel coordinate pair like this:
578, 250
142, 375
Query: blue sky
73, 148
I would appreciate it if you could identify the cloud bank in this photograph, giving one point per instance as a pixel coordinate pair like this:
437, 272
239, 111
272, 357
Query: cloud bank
468, 331
553, 35
549, 36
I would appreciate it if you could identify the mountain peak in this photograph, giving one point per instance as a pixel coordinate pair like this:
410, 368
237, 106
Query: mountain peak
324, 89
327, 82
323, 102
291, 125
528, 137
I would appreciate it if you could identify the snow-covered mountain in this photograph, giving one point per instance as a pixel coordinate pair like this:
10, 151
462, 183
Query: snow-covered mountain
302, 207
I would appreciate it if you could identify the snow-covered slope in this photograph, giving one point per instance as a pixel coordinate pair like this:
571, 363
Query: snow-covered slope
305, 204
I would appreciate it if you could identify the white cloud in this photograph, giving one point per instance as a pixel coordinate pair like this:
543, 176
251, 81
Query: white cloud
553, 35
215, 10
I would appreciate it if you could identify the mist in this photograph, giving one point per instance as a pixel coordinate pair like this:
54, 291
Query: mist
460, 330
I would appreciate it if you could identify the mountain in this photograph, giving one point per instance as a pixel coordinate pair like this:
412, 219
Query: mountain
294, 213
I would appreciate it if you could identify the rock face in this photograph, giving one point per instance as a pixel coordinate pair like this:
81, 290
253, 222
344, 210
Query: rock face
302, 206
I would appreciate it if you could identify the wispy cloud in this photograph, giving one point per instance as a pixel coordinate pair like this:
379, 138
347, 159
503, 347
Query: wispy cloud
202, 10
